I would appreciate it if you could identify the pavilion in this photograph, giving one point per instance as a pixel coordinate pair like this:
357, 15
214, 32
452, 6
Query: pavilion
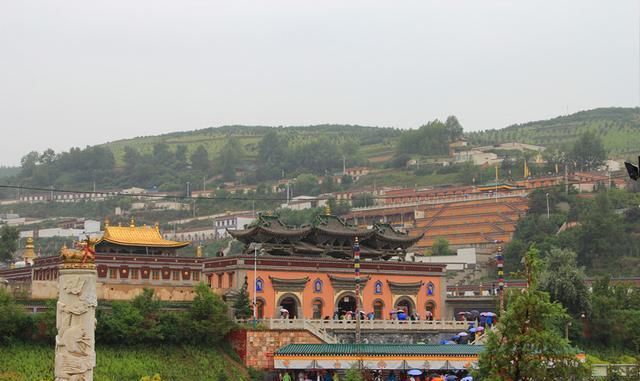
385, 357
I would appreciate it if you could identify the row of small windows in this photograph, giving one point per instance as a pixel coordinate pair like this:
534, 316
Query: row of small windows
135, 274
225, 223
317, 287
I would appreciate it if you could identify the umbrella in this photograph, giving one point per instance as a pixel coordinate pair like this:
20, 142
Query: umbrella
480, 329
455, 337
414, 372
473, 329
462, 313
483, 314
491, 314
468, 378
463, 334
450, 342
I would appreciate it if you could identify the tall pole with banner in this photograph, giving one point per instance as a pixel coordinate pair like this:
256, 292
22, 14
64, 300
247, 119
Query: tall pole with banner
500, 266
356, 267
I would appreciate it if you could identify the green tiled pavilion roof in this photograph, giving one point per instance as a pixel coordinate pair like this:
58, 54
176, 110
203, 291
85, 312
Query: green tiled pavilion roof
379, 350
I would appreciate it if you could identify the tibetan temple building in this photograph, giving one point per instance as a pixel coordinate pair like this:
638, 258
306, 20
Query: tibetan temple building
307, 271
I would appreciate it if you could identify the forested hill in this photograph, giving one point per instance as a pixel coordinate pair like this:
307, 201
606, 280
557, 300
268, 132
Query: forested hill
618, 127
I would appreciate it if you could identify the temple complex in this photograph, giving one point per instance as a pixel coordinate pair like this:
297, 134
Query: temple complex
307, 271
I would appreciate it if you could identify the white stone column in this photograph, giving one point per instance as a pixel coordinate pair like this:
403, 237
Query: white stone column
75, 318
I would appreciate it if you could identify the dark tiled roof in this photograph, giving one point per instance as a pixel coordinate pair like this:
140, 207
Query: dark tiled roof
380, 350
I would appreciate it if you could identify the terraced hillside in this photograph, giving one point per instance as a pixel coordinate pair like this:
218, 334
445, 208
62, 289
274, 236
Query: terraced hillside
619, 129
473, 222
372, 141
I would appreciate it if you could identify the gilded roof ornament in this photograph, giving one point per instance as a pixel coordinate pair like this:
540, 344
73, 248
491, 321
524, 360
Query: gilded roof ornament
82, 256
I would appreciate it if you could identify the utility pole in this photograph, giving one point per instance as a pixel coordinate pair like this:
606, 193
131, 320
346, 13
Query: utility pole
566, 180
344, 166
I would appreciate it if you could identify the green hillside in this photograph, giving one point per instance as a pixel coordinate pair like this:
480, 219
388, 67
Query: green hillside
373, 141
618, 127
34, 362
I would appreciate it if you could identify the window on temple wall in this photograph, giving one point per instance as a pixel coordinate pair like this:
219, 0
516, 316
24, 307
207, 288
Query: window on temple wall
259, 285
230, 279
317, 309
155, 274
220, 280
134, 273
175, 275
431, 289
196, 276
378, 307
113, 273
377, 288
317, 286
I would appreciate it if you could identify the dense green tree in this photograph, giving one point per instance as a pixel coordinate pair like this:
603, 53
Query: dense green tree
229, 158
441, 247
47, 157
9, 236
564, 280
362, 200
242, 305
454, 128
306, 184
209, 315
14, 321
527, 344
588, 151
29, 162
600, 236
200, 159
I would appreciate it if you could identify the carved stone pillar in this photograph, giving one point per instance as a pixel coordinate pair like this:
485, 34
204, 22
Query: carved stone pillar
75, 315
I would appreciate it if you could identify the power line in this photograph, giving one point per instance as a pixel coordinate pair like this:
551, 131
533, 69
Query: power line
218, 198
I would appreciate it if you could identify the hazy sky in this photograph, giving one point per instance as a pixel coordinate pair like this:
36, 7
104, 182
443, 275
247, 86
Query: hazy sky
77, 72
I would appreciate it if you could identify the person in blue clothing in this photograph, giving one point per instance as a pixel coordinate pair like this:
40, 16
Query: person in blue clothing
391, 377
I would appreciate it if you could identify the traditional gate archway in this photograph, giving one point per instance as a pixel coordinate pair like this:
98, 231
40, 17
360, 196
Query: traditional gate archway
291, 303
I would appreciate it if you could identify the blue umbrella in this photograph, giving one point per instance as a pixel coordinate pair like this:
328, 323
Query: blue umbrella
472, 330
414, 372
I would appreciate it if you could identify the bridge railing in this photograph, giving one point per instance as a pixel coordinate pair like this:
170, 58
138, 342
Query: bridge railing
339, 325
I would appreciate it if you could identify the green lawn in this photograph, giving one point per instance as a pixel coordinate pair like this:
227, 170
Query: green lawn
34, 362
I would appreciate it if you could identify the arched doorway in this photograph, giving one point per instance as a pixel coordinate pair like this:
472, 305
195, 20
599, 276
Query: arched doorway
378, 309
406, 304
290, 303
316, 307
346, 302
260, 308
430, 309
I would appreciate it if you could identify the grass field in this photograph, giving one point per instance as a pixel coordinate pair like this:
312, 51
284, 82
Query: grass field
34, 362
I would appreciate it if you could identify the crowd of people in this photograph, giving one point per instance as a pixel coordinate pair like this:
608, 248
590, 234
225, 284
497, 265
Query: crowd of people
399, 314
378, 375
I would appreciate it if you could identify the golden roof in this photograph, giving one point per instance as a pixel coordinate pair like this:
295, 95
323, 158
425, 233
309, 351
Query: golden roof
137, 236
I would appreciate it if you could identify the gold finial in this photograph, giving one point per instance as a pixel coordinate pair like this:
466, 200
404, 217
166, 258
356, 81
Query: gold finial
327, 210
199, 251
157, 226
132, 223
29, 252
106, 222
144, 225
